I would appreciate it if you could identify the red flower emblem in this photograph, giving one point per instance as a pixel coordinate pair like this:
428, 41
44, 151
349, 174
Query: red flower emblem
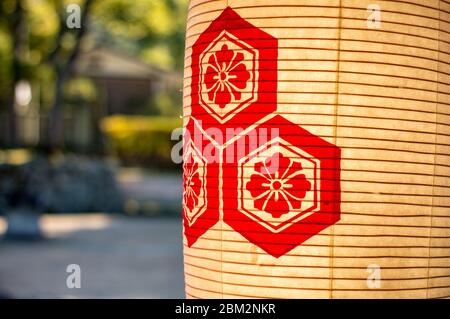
277, 189
192, 183
226, 76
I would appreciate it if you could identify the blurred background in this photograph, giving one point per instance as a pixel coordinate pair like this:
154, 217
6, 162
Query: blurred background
90, 92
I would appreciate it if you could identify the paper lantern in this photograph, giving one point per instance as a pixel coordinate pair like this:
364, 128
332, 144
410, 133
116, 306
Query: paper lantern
317, 152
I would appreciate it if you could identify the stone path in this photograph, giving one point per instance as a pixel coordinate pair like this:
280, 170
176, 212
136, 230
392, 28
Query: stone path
119, 257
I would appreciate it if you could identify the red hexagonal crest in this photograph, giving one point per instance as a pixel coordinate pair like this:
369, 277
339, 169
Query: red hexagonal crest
201, 160
234, 74
282, 189
277, 190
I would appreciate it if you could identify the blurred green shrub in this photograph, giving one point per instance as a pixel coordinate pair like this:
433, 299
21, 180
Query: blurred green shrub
166, 103
141, 140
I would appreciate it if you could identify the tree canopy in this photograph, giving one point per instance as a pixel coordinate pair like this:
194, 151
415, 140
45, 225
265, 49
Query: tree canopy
37, 45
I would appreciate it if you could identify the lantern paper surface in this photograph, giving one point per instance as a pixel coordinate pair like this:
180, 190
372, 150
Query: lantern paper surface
317, 149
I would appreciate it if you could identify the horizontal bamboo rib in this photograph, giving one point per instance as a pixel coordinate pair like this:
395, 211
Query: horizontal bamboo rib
352, 73
274, 294
257, 276
315, 283
276, 9
294, 267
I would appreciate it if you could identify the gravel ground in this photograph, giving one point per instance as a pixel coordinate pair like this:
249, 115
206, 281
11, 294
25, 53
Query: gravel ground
119, 257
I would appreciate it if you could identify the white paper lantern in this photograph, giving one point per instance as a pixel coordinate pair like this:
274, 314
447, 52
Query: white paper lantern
352, 100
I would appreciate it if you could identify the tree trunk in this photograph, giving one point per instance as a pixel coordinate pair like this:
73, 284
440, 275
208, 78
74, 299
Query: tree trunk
11, 138
55, 131
16, 34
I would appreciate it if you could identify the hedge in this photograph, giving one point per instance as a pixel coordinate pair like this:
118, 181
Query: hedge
143, 140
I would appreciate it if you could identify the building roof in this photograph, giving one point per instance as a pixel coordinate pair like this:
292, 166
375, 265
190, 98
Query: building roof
102, 63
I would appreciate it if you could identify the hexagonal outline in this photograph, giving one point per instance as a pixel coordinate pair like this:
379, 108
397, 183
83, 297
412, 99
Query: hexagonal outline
202, 209
278, 244
211, 215
304, 213
255, 37
242, 105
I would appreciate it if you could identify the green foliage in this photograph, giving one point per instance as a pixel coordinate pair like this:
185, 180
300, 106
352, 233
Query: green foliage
5, 61
79, 91
167, 103
150, 29
141, 139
